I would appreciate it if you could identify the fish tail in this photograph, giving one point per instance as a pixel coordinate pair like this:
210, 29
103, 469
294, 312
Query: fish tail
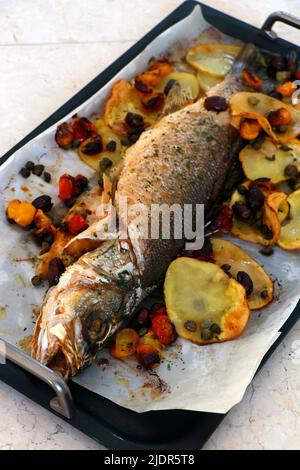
247, 57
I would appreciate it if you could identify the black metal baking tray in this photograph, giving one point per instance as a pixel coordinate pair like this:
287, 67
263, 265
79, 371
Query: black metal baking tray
103, 420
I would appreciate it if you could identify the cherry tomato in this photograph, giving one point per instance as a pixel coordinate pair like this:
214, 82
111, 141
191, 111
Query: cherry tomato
83, 128
66, 187
163, 329
77, 224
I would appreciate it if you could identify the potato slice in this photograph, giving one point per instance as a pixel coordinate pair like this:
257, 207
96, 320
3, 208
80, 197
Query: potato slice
225, 252
273, 203
241, 108
204, 304
208, 81
215, 59
188, 82
290, 231
125, 98
269, 161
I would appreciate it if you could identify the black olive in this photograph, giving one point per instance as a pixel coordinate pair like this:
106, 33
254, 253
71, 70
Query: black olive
291, 170
226, 268
267, 250
29, 165
266, 232
246, 281
242, 190
47, 176
25, 172
43, 202
215, 103
190, 325
55, 270
169, 86
38, 170
275, 94
111, 146
255, 198
94, 146
279, 63
105, 163
134, 120
242, 212
139, 85
142, 319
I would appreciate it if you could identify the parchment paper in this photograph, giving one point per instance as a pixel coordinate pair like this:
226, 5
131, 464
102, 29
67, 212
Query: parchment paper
208, 378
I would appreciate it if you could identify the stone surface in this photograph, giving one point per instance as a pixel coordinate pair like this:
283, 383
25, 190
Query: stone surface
48, 51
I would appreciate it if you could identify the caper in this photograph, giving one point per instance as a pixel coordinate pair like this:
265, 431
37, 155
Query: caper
206, 324
190, 325
206, 334
264, 294
291, 170
36, 280
253, 100
215, 329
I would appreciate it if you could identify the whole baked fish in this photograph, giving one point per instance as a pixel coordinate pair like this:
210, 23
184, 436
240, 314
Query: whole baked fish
183, 159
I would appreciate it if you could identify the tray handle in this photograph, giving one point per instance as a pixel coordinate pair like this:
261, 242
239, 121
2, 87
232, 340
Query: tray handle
282, 17
62, 403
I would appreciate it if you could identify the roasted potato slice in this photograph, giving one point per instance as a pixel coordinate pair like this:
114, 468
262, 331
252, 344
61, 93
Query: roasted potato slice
207, 81
242, 107
215, 59
203, 303
290, 232
273, 203
107, 136
226, 253
269, 161
188, 82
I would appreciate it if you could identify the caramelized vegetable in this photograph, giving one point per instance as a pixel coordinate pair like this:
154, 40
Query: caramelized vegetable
286, 89
125, 344
204, 304
83, 128
77, 224
20, 212
241, 108
250, 129
251, 80
42, 221
64, 136
290, 231
236, 260
164, 329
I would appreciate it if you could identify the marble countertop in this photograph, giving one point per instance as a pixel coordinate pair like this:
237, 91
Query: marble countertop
49, 50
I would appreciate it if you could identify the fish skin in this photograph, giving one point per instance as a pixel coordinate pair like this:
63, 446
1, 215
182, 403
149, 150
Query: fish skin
194, 174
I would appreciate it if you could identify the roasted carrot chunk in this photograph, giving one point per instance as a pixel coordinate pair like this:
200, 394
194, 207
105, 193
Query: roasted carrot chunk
286, 89
148, 356
126, 343
64, 136
251, 80
250, 129
20, 212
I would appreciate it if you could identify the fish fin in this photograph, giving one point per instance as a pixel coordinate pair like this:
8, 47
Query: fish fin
177, 99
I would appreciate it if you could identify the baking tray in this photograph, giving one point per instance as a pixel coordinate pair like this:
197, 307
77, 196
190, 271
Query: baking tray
103, 420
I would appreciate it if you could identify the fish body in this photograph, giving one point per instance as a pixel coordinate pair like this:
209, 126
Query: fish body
183, 159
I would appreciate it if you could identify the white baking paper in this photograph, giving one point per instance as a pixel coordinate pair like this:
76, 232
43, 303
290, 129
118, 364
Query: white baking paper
208, 378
